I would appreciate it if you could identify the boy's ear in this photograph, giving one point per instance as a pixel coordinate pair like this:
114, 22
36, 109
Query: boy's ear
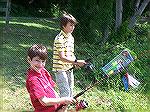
28, 59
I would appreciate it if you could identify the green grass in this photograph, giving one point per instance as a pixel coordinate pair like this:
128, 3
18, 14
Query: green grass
23, 32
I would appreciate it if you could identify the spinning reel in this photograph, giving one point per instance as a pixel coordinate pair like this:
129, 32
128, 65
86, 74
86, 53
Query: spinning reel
89, 67
81, 105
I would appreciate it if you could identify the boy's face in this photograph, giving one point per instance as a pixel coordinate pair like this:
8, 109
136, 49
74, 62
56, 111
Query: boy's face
36, 63
68, 28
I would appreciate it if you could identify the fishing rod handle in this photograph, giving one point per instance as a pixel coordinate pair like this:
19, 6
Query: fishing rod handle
87, 61
60, 107
75, 97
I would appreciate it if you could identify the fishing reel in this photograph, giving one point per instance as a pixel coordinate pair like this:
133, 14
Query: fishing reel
78, 105
82, 104
89, 67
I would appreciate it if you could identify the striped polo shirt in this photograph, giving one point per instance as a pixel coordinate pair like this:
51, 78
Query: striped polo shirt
63, 43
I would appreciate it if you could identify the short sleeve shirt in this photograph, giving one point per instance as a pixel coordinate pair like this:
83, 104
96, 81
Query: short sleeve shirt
38, 86
63, 43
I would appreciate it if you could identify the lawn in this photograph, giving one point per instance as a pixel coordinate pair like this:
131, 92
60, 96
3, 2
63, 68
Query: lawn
22, 33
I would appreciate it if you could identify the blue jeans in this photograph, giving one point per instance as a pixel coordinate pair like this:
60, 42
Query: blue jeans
65, 83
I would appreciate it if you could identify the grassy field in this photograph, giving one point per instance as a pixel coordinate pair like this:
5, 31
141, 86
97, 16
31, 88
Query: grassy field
22, 33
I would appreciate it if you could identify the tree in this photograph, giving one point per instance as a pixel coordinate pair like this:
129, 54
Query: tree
138, 7
97, 18
138, 11
119, 10
126, 9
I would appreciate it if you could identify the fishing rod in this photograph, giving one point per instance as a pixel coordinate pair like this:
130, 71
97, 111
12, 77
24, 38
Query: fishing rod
115, 66
82, 104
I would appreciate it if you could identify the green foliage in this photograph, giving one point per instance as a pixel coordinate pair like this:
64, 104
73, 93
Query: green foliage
135, 42
128, 9
55, 10
18, 10
122, 34
94, 17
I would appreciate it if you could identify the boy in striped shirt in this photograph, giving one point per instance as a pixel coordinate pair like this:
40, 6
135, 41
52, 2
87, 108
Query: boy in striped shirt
63, 56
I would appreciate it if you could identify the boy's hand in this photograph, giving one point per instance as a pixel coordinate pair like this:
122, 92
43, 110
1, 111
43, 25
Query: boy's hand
65, 102
68, 100
80, 63
63, 109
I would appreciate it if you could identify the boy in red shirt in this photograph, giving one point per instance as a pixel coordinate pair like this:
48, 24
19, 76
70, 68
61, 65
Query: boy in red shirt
40, 84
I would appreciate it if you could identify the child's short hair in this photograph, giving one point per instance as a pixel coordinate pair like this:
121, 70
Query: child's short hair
38, 50
67, 18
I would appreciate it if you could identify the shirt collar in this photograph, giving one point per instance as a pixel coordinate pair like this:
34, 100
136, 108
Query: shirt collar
64, 34
35, 72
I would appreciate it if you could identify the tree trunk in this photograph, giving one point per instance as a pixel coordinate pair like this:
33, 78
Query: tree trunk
105, 35
8, 11
119, 9
137, 4
137, 13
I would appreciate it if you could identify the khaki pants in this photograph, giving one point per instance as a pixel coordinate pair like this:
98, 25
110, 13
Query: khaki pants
65, 83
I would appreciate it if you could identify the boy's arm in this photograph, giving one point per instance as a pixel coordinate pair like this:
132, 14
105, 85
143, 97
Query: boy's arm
64, 58
73, 61
53, 101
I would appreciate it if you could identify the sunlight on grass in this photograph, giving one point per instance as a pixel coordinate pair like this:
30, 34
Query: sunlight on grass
2, 21
16, 100
9, 47
22, 35
115, 101
34, 25
25, 45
